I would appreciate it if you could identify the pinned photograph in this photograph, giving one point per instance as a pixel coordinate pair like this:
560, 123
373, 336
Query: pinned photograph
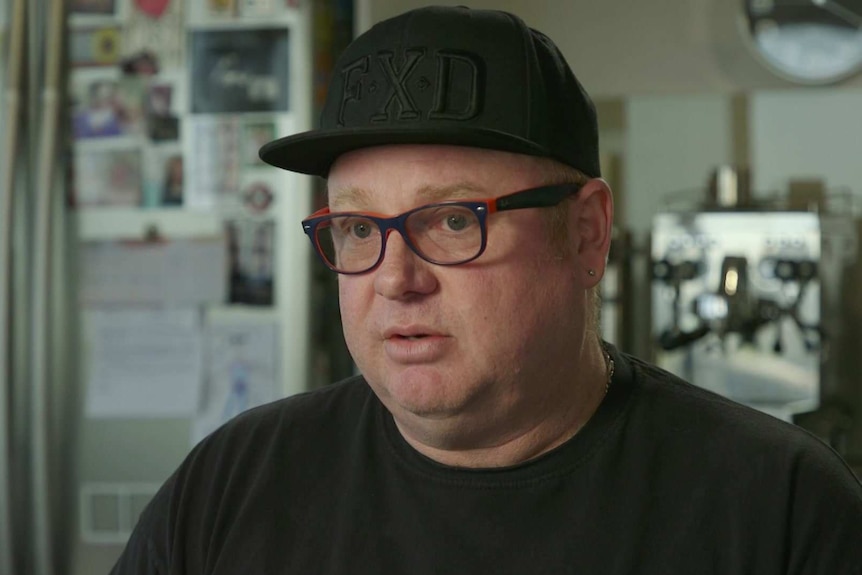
98, 46
162, 123
154, 9
93, 7
208, 10
172, 181
220, 8
142, 63
107, 177
260, 7
164, 176
238, 71
257, 196
106, 107
254, 135
251, 257
211, 145
157, 27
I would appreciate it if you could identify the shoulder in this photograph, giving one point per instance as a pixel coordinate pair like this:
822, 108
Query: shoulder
266, 450
685, 408
751, 473
724, 436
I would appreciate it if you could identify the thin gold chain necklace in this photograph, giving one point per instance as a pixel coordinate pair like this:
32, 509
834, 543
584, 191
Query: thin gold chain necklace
609, 366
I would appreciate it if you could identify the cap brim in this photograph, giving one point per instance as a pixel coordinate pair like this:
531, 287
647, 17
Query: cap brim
315, 151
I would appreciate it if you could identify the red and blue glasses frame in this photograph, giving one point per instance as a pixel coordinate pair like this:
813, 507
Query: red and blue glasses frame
540, 197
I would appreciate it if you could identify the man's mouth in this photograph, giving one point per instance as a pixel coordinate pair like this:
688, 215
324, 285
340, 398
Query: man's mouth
415, 344
409, 334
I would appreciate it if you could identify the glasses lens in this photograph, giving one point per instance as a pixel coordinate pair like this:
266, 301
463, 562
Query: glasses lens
446, 234
349, 243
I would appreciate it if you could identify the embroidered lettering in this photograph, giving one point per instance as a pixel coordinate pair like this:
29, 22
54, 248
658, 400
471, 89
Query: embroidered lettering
398, 89
449, 66
351, 92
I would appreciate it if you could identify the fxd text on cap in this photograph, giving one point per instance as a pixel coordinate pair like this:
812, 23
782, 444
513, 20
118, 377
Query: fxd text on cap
446, 75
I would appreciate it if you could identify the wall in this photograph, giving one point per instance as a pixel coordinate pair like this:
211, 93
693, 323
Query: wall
619, 47
672, 144
807, 134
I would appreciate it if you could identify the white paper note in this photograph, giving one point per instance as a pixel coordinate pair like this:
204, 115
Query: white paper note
143, 363
241, 372
178, 272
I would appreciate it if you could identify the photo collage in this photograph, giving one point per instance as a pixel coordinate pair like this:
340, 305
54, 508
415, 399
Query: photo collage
170, 102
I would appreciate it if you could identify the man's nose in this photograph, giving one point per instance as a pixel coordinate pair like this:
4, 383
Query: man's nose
402, 273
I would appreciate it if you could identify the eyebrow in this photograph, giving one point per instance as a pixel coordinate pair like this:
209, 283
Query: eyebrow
360, 198
350, 196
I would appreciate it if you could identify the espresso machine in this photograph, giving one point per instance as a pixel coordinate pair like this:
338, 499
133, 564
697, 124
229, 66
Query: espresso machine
746, 295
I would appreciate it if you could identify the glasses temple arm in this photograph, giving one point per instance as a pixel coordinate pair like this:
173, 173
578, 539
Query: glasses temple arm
545, 196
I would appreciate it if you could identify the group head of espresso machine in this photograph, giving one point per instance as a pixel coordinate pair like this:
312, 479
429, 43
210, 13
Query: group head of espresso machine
732, 306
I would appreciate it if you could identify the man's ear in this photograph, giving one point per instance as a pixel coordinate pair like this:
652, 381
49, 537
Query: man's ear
590, 227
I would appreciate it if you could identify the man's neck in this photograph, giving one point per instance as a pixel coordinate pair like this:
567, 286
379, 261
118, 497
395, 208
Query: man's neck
562, 419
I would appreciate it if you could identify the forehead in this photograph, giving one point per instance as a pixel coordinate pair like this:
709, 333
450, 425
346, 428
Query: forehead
406, 175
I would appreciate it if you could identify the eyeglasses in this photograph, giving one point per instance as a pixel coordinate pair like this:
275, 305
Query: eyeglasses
445, 233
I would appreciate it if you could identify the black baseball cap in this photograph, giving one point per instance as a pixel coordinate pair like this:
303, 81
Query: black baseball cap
449, 75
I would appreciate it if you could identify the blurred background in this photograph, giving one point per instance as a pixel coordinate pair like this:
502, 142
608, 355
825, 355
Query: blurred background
155, 281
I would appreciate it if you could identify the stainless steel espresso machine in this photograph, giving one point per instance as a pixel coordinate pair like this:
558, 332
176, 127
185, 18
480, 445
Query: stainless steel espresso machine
747, 295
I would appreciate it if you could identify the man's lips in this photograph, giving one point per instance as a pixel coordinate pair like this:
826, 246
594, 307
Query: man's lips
411, 332
415, 344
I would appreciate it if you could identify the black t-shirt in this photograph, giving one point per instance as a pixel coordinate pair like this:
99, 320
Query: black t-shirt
664, 479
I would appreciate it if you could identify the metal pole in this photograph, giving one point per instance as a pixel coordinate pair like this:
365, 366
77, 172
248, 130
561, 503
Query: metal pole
44, 162
10, 109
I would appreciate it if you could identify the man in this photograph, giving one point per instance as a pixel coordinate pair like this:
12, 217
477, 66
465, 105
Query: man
491, 431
